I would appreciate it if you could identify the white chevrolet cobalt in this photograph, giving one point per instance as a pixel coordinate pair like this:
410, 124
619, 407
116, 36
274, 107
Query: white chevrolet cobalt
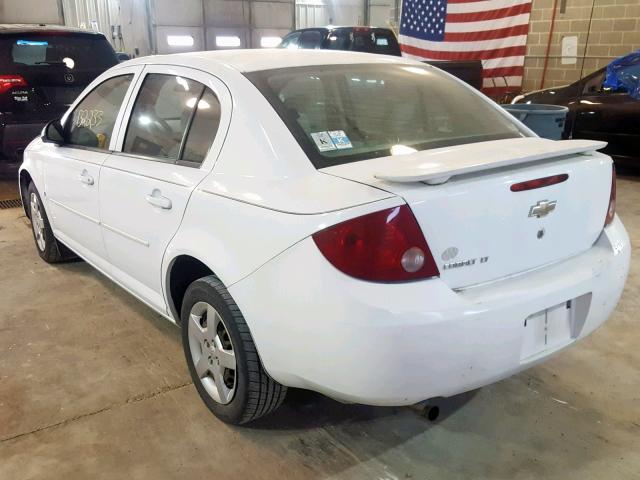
364, 226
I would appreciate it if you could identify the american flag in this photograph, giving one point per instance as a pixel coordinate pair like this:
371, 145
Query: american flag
494, 31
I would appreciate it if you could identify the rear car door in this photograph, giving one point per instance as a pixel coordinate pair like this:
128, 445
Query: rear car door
72, 171
176, 124
611, 116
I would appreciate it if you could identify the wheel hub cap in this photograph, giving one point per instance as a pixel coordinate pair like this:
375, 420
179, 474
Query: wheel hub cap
212, 352
37, 222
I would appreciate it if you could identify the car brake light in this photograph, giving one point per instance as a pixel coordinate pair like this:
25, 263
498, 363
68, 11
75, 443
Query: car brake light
384, 246
8, 82
611, 211
539, 183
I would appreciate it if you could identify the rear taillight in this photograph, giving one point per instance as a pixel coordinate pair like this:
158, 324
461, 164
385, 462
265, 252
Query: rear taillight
384, 246
611, 211
7, 82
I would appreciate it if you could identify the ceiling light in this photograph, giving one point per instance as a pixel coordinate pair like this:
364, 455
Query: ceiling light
227, 41
180, 40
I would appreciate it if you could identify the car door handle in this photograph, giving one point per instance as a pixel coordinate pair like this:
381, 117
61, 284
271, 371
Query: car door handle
85, 178
157, 200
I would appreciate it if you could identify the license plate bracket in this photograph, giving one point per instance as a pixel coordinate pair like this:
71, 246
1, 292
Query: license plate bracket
554, 327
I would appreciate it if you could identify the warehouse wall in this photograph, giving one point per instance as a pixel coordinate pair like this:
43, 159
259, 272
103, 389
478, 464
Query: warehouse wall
30, 11
614, 30
206, 20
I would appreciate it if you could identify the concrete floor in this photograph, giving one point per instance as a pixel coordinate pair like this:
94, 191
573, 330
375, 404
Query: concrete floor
94, 385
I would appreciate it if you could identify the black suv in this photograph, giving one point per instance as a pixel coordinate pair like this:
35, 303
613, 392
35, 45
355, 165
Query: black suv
357, 39
42, 70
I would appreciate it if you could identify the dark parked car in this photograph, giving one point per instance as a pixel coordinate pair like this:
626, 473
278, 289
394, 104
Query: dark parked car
373, 40
357, 39
597, 113
42, 70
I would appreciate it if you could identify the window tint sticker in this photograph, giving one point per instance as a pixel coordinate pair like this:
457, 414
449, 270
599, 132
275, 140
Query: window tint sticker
323, 141
340, 139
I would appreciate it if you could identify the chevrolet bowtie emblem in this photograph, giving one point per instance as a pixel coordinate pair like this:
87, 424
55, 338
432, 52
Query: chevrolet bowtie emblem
542, 208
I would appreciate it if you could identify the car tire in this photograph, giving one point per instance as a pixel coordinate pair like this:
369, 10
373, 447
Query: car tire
48, 247
214, 335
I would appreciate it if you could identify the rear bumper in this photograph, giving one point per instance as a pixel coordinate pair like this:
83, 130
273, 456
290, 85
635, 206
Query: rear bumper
14, 137
384, 344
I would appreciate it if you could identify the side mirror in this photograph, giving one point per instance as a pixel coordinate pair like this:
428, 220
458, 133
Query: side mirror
53, 133
122, 57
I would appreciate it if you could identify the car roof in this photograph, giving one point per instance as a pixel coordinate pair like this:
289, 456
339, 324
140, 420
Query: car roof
251, 60
332, 28
6, 28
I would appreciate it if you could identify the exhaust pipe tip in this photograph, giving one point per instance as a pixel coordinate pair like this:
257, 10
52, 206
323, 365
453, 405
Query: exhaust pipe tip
431, 412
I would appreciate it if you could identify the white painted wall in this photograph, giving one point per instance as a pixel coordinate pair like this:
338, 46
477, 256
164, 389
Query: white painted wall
30, 11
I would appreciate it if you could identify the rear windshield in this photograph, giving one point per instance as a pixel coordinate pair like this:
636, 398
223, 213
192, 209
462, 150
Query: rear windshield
344, 113
364, 40
24, 53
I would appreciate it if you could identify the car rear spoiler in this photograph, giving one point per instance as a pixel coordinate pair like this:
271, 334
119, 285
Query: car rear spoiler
439, 165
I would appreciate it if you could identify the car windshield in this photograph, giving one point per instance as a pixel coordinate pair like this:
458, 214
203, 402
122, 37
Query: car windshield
345, 113
28, 52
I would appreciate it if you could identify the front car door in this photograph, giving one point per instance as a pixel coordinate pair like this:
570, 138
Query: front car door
611, 116
176, 123
72, 171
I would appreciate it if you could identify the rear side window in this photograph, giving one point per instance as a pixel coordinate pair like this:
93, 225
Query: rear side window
203, 129
173, 118
94, 118
290, 41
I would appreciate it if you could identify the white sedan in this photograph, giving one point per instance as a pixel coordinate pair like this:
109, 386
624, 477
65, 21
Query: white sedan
364, 226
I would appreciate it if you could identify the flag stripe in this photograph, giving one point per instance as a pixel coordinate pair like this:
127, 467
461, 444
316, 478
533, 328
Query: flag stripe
503, 71
496, 91
466, 6
508, 61
472, 55
522, 19
489, 14
493, 31
454, 47
486, 35
509, 82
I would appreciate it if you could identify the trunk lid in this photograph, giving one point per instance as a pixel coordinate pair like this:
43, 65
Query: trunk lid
479, 230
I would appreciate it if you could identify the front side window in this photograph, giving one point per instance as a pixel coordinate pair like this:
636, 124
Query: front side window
92, 121
311, 39
174, 118
344, 113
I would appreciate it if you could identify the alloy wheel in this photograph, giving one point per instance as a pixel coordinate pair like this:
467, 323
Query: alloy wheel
37, 222
212, 352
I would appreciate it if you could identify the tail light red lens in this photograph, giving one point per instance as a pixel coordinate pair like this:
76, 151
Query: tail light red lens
384, 246
7, 82
611, 211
